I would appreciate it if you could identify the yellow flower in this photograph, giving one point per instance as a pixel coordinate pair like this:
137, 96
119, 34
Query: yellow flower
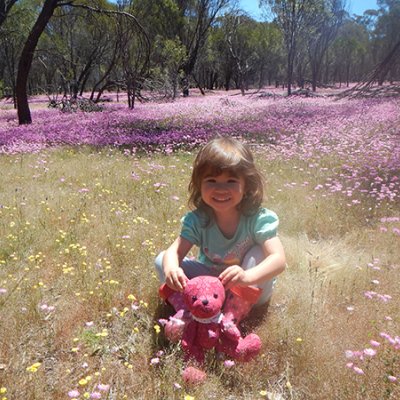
131, 297
188, 397
83, 382
263, 393
3, 390
34, 367
157, 329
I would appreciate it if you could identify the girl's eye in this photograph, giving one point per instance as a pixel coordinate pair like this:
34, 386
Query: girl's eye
194, 298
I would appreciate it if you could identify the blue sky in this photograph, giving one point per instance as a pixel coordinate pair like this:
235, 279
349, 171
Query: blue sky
354, 7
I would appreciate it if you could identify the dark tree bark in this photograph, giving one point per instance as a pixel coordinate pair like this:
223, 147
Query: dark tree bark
25, 61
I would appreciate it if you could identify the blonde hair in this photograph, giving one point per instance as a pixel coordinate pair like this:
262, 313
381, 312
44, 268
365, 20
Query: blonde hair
225, 154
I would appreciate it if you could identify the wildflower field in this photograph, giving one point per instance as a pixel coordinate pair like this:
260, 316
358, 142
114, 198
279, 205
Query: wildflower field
87, 200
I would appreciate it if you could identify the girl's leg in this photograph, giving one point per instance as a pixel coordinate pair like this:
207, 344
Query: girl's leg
238, 306
253, 257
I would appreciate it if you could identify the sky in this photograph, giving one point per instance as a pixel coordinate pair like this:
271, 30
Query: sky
354, 6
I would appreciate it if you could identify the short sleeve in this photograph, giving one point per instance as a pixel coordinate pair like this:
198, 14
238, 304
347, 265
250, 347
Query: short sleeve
265, 225
191, 228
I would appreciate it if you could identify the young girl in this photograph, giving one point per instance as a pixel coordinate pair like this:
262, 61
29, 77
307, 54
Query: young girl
236, 237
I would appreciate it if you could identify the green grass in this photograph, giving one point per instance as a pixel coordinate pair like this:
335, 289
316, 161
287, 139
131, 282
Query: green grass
79, 232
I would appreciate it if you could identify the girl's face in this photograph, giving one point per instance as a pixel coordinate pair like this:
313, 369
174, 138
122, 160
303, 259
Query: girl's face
223, 193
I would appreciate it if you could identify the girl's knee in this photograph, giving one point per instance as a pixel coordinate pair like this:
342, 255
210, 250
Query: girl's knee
159, 267
253, 257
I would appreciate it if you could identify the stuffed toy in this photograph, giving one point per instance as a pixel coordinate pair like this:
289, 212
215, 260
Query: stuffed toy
206, 327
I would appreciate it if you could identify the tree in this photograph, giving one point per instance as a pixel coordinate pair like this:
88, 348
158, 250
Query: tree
238, 37
134, 57
291, 17
386, 36
199, 17
26, 58
347, 50
327, 17
266, 40
15, 30
25, 61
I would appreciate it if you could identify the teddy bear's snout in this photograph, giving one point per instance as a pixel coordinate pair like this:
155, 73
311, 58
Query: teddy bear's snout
205, 302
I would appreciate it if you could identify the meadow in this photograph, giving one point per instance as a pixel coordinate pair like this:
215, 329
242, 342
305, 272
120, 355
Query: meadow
87, 200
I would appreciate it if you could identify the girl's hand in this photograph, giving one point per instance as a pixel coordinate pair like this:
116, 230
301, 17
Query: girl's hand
233, 276
176, 279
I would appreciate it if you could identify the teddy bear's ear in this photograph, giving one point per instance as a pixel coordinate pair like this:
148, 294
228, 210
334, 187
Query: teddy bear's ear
165, 291
249, 293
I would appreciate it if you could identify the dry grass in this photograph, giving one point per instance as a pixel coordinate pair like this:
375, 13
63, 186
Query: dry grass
79, 232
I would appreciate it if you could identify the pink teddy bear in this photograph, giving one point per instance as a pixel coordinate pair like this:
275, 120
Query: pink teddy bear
207, 327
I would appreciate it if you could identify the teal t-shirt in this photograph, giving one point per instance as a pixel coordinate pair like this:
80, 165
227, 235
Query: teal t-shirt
217, 250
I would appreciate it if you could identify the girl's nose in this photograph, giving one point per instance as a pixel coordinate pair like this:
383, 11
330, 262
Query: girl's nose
221, 187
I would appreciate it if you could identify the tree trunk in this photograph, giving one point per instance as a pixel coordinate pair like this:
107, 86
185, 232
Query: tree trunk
25, 61
314, 78
289, 74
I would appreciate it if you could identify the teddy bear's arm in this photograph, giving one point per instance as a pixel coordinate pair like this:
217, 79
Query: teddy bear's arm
229, 329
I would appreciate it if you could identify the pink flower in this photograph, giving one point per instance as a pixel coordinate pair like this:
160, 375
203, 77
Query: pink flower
95, 395
229, 363
103, 388
392, 378
349, 354
370, 352
155, 361
375, 343
358, 371
73, 394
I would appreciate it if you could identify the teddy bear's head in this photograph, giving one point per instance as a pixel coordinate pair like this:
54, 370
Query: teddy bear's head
204, 296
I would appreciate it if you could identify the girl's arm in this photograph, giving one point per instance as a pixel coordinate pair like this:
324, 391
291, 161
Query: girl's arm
175, 277
272, 265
